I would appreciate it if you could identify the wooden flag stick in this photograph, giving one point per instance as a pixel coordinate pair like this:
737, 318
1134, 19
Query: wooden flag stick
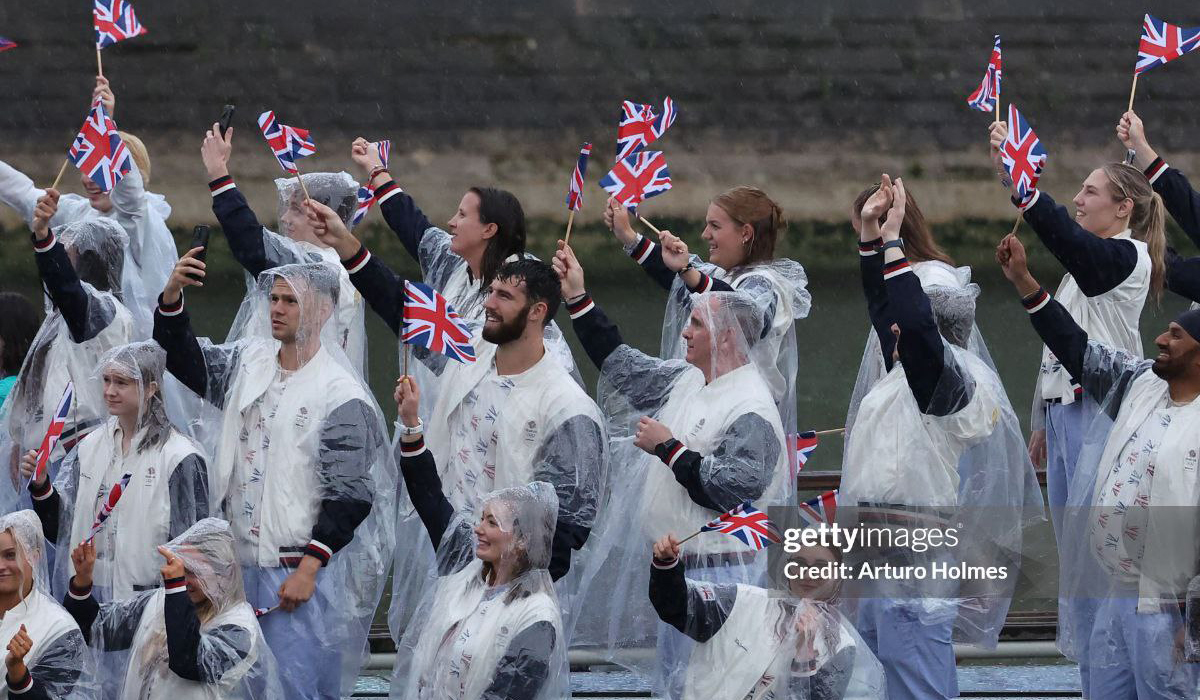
60, 174
652, 228
570, 220
997, 108
1016, 224
685, 539
404, 361
301, 181
832, 431
1132, 92
99, 63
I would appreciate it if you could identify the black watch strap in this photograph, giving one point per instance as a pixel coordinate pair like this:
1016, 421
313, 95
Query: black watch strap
663, 449
898, 243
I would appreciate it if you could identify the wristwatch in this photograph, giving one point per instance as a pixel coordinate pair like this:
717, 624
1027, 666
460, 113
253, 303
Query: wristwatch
409, 432
898, 243
690, 266
663, 449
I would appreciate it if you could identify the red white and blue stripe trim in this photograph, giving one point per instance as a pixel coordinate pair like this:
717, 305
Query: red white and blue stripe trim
45, 244
221, 185
357, 261
673, 455
175, 585
704, 285
412, 449
1156, 169
641, 249
1037, 301
387, 190
171, 309
896, 267
868, 248
319, 550
580, 306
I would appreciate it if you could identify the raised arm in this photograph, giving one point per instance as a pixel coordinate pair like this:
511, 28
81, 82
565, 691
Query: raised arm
418, 467
206, 373
1182, 202
241, 227
871, 265
698, 610
646, 253
399, 210
741, 468
192, 654
56, 671
85, 316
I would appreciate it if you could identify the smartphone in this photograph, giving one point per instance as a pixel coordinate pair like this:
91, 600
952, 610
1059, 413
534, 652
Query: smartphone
226, 118
200, 236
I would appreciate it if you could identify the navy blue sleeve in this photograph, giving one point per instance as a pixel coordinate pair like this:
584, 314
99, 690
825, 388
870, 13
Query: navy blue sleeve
522, 671
921, 350
185, 358
404, 217
47, 505
232, 643
379, 286
1097, 264
870, 265
189, 494
1183, 275
66, 291
649, 258
684, 607
598, 335
424, 486
1182, 202
1058, 331
242, 229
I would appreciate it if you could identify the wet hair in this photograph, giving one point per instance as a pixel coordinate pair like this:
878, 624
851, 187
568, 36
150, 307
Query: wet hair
919, 245
1147, 221
19, 324
541, 283
750, 205
503, 209
154, 419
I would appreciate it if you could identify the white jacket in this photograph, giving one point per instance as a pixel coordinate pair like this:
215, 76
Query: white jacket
45, 621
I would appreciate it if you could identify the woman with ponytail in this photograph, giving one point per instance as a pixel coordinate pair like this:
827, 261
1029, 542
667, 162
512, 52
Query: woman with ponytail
1113, 249
741, 227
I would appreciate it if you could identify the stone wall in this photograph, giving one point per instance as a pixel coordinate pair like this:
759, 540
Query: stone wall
807, 99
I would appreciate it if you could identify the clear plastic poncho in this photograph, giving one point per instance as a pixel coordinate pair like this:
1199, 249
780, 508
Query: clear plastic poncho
149, 251
968, 468
1130, 537
755, 643
339, 192
165, 479
298, 451
227, 655
779, 289
471, 637
719, 406
58, 661
54, 358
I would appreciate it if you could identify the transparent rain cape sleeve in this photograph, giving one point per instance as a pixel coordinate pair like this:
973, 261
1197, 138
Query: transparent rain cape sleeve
779, 288
302, 455
963, 462
59, 661
732, 451
548, 430
63, 352
472, 640
339, 192
759, 644
165, 494
1099, 573
180, 650
149, 255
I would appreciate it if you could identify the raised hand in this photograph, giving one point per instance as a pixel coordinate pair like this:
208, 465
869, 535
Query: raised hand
674, 251
1011, 256
650, 434
365, 155
890, 230
215, 151
666, 548
188, 272
173, 568
997, 134
331, 230
28, 465
83, 558
408, 399
18, 647
47, 207
103, 92
1132, 133
867, 220
570, 272
616, 218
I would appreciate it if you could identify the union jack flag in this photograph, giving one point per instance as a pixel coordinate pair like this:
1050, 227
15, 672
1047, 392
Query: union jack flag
287, 142
53, 432
575, 189
804, 444
1022, 154
1162, 42
988, 93
6, 44
640, 176
640, 126
106, 508
748, 524
366, 193
98, 150
114, 21
430, 321
822, 509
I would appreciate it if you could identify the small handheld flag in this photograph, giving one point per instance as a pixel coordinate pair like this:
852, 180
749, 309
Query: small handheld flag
640, 126
98, 150
6, 44
575, 188
53, 432
114, 21
287, 142
746, 523
986, 97
822, 509
430, 322
366, 193
804, 444
1022, 154
110, 502
1162, 42
638, 177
